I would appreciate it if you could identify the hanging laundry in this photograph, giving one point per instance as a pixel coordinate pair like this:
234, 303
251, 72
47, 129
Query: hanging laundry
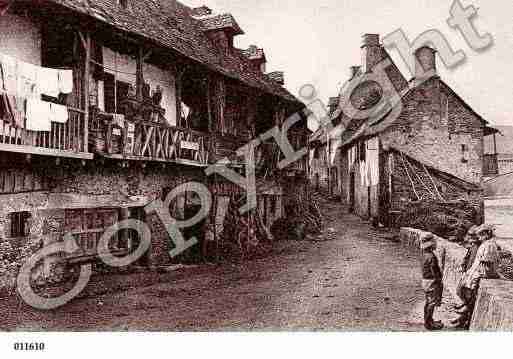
27, 80
118, 120
9, 67
59, 113
18, 110
48, 81
39, 115
65, 81
6, 110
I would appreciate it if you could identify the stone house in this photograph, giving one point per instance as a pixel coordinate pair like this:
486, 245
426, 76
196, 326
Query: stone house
156, 93
421, 144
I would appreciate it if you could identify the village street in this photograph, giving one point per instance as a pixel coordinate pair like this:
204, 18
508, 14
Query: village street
357, 279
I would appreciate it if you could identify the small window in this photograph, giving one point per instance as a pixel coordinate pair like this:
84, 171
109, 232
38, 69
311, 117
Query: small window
363, 151
123, 3
19, 224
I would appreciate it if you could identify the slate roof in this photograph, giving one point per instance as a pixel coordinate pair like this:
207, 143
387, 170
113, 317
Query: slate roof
254, 53
170, 24
223, 21
277, 76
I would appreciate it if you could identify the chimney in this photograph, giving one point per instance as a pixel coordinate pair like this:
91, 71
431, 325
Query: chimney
256, 57
354, 71
201, 11
425, 63
278, 77
220, 29
372, 52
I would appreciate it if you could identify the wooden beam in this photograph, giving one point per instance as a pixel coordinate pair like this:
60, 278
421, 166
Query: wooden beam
178, 88
220, 103
82, 39
209, 106
42, 151
87, 74
140, 75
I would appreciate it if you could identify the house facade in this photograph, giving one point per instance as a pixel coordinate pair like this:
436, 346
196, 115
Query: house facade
109, 106
424, 147
324, 158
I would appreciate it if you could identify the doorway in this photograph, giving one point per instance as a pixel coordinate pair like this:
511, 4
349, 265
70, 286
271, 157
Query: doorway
352, 189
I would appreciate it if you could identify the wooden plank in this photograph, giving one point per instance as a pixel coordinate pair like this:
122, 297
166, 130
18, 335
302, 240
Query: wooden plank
139, 81
149, 135
44, 151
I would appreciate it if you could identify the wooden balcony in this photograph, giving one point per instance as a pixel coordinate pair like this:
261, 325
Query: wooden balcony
150, 141
490, 165
64, 140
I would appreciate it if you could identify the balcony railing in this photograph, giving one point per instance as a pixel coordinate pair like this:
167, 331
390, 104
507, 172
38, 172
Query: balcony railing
63, 140
149, 141
490, 165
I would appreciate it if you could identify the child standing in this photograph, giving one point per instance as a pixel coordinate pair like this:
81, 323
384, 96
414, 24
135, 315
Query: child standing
431, 281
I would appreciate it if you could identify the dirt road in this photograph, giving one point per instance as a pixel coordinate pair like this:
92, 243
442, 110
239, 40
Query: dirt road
358, 280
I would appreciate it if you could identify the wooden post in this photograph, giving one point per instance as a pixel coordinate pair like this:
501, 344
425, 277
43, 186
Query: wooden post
209, 106
220, 104
178, 86
140, 76
87, 71
124, 214
252, 115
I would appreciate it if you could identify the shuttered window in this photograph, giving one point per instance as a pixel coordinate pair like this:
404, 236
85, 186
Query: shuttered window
19, 224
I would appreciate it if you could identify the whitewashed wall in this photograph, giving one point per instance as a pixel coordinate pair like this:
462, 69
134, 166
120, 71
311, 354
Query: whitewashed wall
127, 66
20, 37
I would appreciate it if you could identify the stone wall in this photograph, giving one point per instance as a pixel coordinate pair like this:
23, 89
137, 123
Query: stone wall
438, 129
109, 185
494, 307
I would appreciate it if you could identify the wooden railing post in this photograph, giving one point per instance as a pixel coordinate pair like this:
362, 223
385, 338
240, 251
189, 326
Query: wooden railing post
139, 74
209, 105
220, 104
87, 71
85, 38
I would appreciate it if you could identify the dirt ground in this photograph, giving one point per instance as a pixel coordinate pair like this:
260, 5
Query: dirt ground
355, 279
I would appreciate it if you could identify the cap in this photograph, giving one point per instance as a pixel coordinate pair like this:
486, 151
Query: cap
485, 228
472, 230
427, 240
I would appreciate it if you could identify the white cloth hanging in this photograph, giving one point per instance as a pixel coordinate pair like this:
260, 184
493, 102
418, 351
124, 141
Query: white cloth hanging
59, 113
48, 81
65, 81
10, 70
39, 114
27, 80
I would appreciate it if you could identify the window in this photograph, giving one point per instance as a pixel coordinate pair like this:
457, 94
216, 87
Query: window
363, 151
19, 224
123, 3
114, 92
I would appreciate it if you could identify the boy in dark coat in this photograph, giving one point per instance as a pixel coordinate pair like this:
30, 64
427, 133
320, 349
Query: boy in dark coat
431, 281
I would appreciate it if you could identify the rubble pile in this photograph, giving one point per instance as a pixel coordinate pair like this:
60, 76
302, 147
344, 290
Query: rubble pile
506, 265
301, 220
449, 220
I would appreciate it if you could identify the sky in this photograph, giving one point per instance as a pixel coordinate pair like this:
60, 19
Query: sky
316, 42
